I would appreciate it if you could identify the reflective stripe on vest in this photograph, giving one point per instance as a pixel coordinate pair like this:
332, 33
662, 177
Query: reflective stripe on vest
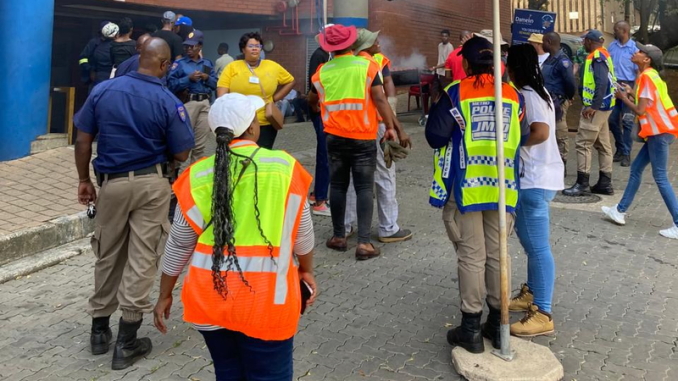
279, 266
660, 117
344, 86
589, 82
268, 306
473, 108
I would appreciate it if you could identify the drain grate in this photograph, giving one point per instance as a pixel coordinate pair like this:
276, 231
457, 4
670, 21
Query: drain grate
588, 198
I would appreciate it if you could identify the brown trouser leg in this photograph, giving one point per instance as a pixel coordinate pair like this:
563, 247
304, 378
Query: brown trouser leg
475, 236
562, 133
594, 133
129, 238
197, 112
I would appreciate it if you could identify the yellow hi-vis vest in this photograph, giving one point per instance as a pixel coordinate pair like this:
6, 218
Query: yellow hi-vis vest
269, 307
469, 162
660, 117
590, 82
344, 85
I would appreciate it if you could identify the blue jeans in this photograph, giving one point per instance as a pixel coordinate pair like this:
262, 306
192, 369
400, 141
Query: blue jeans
656, 152
322, 166
532, 227
239, 357
621, 122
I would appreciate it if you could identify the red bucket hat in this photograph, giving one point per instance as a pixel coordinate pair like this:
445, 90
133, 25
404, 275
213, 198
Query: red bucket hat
337, 37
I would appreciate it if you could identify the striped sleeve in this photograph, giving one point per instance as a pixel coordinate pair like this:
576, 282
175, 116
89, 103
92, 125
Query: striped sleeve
305, 236
180, 246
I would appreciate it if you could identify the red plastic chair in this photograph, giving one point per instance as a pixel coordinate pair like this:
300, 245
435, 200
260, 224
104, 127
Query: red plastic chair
418, 94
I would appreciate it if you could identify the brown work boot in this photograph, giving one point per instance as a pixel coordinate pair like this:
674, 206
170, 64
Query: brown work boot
522, 301
536, 322
337, 243
366, 251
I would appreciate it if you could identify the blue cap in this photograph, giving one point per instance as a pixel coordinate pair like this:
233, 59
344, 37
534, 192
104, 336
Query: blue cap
184, 20
477, 50
594, 35
194, 38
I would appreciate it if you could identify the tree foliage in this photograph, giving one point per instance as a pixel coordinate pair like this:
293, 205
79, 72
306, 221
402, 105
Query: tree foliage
665, 14
537, 4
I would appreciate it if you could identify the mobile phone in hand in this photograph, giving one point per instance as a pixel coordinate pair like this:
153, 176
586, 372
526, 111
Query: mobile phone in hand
306, 293
206, 69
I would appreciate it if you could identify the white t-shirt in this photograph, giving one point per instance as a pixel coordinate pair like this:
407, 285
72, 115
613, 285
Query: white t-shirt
647, 93
543, 58
541, 164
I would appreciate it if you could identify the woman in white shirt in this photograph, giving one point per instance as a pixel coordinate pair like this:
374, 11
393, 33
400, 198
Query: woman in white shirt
541, 177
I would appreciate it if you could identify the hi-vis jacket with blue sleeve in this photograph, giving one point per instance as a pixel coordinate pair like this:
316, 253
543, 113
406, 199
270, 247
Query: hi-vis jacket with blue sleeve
461, 128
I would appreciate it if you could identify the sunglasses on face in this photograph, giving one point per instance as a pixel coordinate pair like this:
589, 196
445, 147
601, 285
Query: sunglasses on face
255, 46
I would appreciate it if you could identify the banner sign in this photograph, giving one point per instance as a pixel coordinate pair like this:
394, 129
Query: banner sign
528, 21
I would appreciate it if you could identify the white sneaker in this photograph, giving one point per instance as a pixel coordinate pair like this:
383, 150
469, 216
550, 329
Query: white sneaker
614, 214
670, 232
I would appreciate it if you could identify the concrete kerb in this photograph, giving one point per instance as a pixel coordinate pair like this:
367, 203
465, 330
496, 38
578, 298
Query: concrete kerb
54, 233
531, 362
37, 262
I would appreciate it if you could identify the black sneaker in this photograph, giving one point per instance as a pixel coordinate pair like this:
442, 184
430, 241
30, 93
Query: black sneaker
617, 157
626, 161
401, 235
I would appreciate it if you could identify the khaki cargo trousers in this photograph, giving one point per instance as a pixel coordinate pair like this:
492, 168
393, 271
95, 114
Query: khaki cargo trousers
197, 113
475, 236
130, 234
562, 132
594, 133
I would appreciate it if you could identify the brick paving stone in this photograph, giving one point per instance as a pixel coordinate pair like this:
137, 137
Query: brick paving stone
386, 319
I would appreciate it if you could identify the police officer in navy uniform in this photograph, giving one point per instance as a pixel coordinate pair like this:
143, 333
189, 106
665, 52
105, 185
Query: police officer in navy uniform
86, 73
193, 79
141, 126
559, 80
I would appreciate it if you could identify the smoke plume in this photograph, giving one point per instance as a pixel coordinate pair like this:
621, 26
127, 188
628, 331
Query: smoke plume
415, 60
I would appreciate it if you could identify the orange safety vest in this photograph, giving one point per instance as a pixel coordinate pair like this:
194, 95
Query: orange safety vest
661, 117
346, 107
269, 307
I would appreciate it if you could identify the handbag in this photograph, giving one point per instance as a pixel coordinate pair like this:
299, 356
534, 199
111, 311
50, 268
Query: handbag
273, 114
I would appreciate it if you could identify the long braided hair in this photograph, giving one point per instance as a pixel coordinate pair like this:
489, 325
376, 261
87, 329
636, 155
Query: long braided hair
524, 64
223, 222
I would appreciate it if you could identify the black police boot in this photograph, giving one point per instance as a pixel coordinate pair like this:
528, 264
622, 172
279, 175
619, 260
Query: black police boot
468, 335
580, 187
604, 185
491, 326
128, 348
101, 335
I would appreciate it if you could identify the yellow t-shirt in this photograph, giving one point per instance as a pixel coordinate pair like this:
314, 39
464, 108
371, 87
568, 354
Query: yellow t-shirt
236, 77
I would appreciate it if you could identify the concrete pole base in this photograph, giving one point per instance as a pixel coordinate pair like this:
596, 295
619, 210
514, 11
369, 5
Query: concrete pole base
531, 362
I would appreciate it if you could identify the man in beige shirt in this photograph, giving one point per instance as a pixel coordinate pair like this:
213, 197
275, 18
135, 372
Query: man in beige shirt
444, 49
223, 60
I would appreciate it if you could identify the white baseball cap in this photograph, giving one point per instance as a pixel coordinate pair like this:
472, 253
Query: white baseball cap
169, 16
110, 30
235, 112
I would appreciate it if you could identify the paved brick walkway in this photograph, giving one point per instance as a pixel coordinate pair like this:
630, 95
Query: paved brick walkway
37, 188
615, 304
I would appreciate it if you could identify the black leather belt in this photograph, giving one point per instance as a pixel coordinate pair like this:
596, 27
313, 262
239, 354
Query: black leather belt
139, 172
198, 97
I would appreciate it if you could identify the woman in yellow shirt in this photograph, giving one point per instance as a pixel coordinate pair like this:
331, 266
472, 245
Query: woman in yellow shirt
255, 76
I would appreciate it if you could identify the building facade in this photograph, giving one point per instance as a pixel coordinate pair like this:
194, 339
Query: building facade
409, 27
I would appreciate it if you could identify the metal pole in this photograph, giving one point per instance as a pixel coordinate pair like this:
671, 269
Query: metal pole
505, 351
